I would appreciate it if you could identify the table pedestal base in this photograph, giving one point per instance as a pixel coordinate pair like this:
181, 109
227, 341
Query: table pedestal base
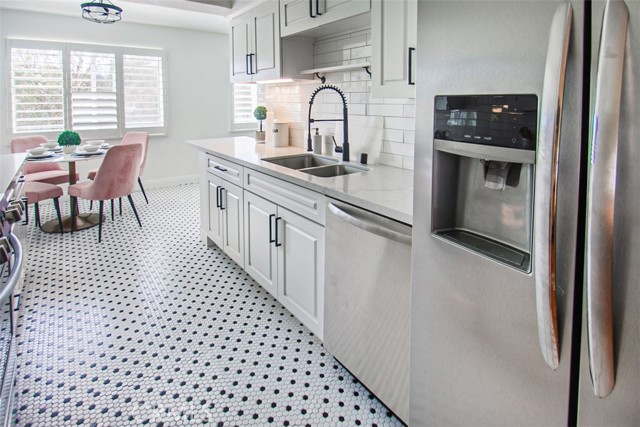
83, 221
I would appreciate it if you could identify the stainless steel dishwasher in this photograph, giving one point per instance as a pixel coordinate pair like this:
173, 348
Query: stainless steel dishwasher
367, 300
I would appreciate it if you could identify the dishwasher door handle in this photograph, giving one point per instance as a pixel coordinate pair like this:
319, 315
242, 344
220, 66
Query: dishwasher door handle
370, 227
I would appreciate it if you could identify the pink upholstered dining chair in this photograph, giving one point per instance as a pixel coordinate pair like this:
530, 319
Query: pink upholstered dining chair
115, 178
133, 138
49, 172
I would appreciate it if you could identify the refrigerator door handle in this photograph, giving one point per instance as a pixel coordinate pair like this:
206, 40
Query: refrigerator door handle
546, 185
601, 184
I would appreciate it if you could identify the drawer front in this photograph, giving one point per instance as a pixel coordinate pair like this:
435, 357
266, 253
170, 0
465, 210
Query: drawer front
300, 200
225, 169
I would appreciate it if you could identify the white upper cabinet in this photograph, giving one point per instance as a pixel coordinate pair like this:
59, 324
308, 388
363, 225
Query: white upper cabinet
255, 45
302, 15
257, 51
393, 39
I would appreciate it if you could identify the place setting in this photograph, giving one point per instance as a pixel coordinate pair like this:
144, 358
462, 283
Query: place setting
43, 152
92, 148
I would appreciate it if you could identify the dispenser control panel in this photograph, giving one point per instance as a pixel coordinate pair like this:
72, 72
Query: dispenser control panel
509, 121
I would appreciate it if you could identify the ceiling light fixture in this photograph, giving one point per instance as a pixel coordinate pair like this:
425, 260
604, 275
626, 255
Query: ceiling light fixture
101, 11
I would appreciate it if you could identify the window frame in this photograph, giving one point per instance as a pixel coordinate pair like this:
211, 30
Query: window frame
242, 126
66, 48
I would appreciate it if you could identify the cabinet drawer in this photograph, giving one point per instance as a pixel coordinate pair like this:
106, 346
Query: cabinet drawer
300, 200
225, 169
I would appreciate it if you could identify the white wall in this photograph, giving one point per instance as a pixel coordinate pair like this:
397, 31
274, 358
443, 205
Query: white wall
291, 101
198, 81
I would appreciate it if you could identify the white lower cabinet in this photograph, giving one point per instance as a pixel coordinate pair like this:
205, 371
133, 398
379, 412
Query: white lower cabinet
285, 254
225, 225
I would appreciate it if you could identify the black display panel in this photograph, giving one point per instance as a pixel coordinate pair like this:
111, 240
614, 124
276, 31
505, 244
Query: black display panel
502, 120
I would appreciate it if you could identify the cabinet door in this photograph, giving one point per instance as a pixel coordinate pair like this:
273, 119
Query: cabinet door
233, 224
214, 214
260, 251
301, 268
335, 10
296, 16
393, 34
240, 38
266, 42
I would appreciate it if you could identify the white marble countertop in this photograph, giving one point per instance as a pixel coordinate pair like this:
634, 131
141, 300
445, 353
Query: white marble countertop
382, 189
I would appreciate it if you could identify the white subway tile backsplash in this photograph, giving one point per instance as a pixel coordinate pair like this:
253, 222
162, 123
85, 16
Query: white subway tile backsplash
398, 148
392, 135
385, 110
351, 42
401, 123
291, 101
409, 137
409, 110
357, 109
360, 52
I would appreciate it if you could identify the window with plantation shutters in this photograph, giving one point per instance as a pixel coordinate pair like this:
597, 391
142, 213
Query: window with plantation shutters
37, 90
245, 100
143, 91
98, 91
94, 99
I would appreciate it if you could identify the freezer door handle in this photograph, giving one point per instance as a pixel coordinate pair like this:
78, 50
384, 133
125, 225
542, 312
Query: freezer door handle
370, 227
601, 184
546, 185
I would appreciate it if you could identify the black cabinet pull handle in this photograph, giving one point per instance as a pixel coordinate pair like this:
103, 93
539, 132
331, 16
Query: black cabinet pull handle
409, 74
311, 15
246, 64
251, 55
276, 239
318, 7
218, 196
220, 168
271, 239
222, 207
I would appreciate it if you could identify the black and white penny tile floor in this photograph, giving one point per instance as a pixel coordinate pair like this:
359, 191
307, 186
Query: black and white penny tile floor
151, 327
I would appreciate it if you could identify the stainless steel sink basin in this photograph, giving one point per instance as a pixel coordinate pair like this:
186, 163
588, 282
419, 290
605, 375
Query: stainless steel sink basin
333, 170
301, 161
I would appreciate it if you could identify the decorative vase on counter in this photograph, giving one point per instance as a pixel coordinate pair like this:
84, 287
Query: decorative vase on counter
260, 136
260, 113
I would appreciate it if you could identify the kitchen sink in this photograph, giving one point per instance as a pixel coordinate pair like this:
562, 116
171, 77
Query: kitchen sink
301, 161
333, 170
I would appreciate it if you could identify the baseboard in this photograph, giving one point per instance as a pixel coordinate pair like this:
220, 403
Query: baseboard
170, 182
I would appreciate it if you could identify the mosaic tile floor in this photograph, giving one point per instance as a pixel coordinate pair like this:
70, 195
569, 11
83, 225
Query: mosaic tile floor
151, 327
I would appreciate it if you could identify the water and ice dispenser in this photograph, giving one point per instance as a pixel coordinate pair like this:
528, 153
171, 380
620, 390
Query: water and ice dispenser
483, 174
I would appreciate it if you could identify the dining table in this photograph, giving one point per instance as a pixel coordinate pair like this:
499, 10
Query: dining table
76, 220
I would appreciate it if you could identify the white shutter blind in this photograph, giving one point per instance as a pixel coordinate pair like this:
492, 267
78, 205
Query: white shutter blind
37, 90
143, 91
245, 100
94, 103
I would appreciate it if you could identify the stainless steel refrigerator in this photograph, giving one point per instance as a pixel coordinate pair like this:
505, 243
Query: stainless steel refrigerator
525, 296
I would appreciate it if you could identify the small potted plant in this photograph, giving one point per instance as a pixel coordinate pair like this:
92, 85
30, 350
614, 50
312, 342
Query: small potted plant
69, 140
260, 113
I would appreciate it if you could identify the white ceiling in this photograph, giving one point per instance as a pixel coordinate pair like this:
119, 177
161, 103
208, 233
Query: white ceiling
203, 15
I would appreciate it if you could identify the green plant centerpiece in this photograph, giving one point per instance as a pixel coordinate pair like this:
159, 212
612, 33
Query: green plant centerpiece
69, 140
260, 113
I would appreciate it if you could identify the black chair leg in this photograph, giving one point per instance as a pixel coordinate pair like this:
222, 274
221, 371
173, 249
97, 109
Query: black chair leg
56, 204
133, 207
143, 192
120, 203
90, 204
72, 207
112, 218
36, 208
100, 210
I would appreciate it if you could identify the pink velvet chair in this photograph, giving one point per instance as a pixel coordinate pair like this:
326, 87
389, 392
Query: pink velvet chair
115, 178
132, 138
39, 191
49, 172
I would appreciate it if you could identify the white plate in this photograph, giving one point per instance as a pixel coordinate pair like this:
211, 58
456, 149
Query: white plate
82, 153
41, 156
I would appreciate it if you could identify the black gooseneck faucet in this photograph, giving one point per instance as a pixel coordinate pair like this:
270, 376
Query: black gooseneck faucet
344, 120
